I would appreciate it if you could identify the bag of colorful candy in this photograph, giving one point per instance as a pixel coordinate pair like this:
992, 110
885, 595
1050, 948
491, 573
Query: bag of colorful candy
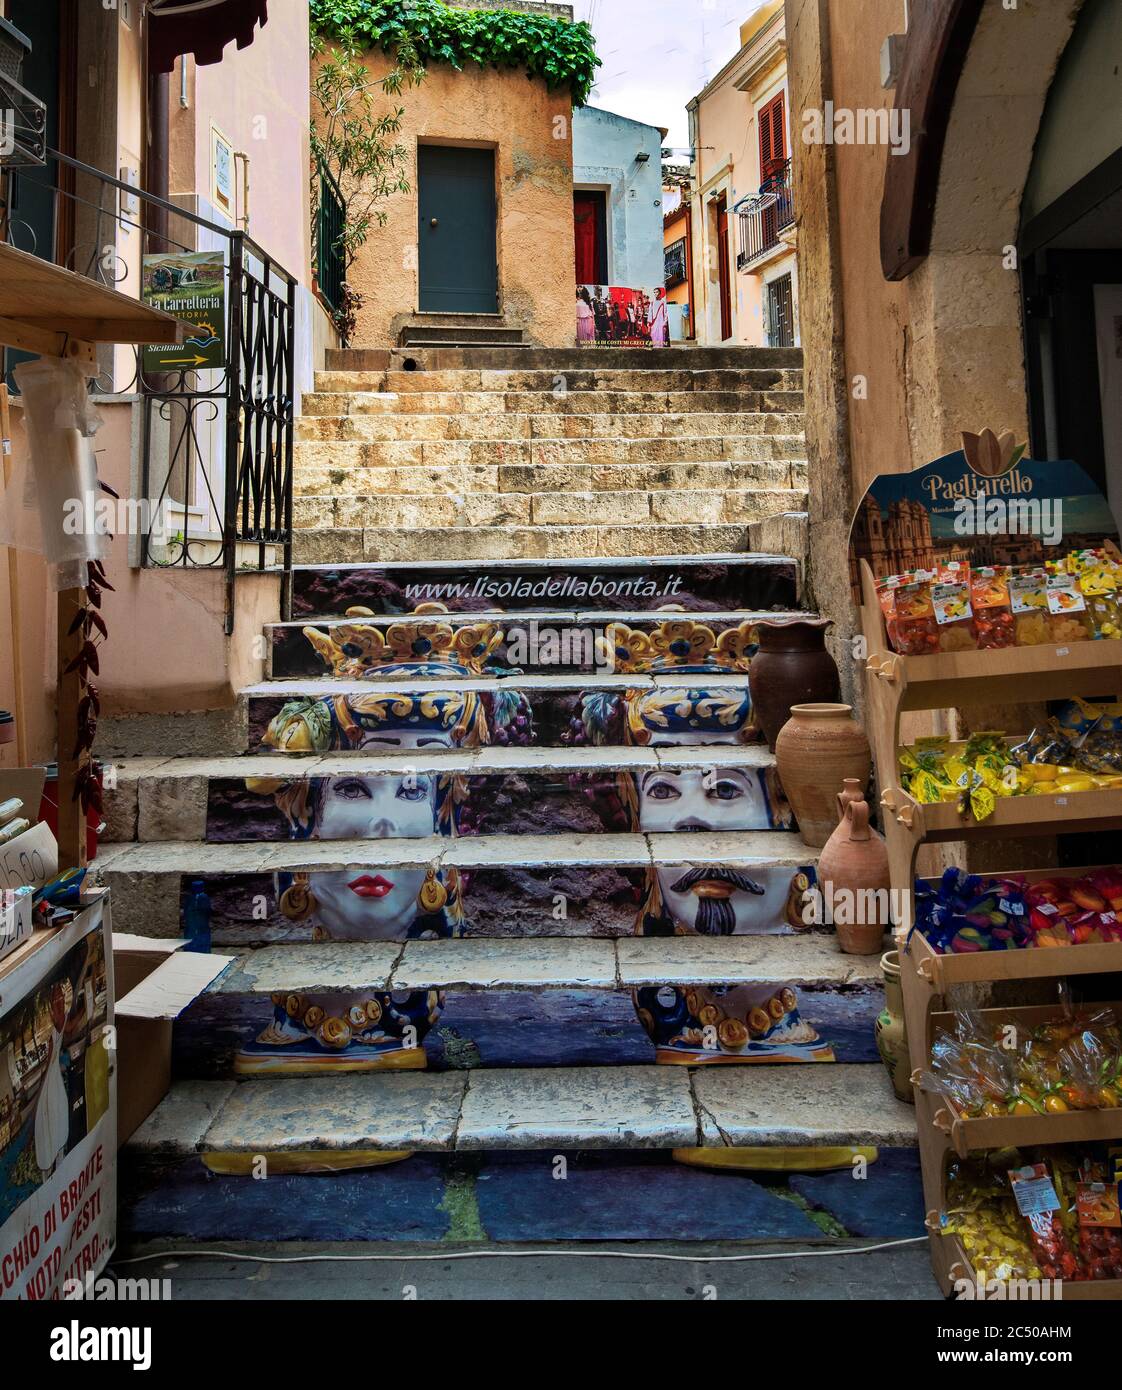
1039, 1204
995, 1067
1089, 1195
1075, 911
964, 913
981, 1213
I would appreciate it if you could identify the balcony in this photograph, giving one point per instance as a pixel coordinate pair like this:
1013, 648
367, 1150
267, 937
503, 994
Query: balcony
765, 218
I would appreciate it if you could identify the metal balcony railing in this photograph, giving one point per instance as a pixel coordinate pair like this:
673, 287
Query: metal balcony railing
764, 217
331, 212
216, 442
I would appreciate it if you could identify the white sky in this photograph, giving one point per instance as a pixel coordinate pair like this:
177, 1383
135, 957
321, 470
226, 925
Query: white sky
657, 54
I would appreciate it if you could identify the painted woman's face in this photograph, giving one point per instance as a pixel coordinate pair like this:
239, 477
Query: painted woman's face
375, 806
368, 904
381, 806
694, 798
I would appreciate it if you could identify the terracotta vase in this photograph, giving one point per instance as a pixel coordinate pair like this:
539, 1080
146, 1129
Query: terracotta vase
891, 1034
854, 881
791, 667
818, 748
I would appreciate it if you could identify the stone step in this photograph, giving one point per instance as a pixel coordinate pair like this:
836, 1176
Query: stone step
514, 885
510, 790
558, 640
541, 403
456, 335
535, 1108
546, 711
446, 452
473, 543
696, 582
462, 478
639, 359
386, 428
561, 381
584, 963
405, 511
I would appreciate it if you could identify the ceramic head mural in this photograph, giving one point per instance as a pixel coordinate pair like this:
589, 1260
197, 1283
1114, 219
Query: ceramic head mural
741, 1023
382, 902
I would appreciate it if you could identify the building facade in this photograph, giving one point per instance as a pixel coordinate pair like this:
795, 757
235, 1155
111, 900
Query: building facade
962, 281
617, 200
743, 213
212, 119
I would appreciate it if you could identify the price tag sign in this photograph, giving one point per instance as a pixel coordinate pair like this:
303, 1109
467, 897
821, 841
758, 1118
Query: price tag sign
30, 860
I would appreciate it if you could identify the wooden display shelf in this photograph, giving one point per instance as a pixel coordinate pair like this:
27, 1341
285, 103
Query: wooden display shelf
1013, 815
967, 1136
952, 1266
948, 680
953, 680
940, 972
47, 309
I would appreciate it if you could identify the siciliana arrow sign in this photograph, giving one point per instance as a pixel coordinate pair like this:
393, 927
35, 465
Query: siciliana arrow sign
192, 286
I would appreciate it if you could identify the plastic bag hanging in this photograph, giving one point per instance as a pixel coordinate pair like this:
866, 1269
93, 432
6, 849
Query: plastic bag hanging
52, 505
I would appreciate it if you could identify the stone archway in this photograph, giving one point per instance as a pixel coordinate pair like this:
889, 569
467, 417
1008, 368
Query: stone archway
966, 362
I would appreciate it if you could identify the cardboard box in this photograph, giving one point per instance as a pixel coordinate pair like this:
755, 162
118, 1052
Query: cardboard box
154, 981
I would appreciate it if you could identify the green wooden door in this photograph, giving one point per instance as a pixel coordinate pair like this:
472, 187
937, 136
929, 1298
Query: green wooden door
456, 197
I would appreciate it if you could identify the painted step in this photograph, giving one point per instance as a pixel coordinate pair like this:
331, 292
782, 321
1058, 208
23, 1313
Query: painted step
564, 542
546, 963
369, 428
557, 1001
696, 582
546, 711
640, 358
551, 402
477, 644
497, 790
579, 1108
458, 479
520, 885
566, 379
544, 452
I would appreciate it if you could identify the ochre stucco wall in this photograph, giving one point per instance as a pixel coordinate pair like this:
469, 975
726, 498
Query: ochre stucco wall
531, 130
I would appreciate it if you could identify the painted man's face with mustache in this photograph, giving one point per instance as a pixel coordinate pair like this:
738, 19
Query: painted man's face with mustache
713, 900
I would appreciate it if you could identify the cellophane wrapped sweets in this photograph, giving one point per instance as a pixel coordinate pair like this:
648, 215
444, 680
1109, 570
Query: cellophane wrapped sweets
993, 614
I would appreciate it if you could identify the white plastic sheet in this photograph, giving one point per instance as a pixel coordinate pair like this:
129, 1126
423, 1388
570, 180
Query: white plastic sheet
51, 504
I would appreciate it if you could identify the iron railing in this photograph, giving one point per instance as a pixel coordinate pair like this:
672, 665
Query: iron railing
331, 264
765, 216
216, 442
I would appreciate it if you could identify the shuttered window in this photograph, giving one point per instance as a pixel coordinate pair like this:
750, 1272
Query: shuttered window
773, 137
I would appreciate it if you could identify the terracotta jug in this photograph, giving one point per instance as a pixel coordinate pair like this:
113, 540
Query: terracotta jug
791, 667
818, 748
891, 1035
854, 881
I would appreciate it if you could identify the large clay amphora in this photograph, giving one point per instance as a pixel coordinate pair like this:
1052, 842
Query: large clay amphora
791, 667
817, 749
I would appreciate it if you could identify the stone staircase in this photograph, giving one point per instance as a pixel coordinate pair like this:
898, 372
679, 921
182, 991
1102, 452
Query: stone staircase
566, 460
504, 868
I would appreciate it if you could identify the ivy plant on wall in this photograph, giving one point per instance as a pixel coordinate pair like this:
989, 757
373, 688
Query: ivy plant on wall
559, 52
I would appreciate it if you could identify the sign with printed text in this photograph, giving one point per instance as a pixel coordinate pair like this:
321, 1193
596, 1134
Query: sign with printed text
190, 285
58, 1113
30, 860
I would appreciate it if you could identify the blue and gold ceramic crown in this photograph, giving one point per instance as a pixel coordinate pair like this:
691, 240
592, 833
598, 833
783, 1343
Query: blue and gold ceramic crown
357, 650
678, 644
